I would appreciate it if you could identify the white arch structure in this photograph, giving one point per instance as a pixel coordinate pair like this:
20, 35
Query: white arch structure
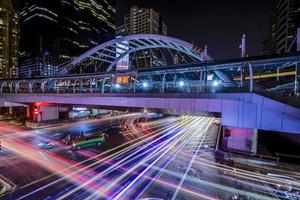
114, 50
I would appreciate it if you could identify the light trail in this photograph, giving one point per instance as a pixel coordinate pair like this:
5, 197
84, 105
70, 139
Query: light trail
19, 133
188, 133
161, 153
149, 154
109, 169
66, 176
190, 164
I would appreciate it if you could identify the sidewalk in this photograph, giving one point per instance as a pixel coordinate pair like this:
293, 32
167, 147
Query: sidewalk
5, 187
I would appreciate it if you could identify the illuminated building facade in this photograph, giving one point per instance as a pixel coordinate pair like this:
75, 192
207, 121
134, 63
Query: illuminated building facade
63, 29
285, 21
142, 20
9, 40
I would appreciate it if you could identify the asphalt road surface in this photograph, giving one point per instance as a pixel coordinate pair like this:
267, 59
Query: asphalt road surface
144, 156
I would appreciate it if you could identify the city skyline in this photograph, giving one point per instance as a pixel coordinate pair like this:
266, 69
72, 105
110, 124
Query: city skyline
136, 99
233, 25
219, 24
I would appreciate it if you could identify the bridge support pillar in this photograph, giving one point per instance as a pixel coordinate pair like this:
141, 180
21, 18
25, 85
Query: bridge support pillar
43, 113
240, 139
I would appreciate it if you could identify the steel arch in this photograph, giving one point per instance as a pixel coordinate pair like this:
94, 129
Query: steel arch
107, 52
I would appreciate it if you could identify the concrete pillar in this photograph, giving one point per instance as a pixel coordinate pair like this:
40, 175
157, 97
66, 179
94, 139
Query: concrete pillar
48, 113
240, 139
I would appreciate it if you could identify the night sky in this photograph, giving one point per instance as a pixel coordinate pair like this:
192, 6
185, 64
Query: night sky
217, 23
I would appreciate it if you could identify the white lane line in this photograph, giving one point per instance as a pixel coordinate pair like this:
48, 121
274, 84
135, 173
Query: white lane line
190, 164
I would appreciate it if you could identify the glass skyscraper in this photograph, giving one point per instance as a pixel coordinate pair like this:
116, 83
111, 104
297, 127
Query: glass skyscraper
9, 40
59, 30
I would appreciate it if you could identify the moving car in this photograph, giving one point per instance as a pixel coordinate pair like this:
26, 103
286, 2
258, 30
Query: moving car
46, 145
88, 141
283, 187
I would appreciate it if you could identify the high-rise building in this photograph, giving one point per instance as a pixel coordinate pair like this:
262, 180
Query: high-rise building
62, 29
269, 46
286, 29
142, 20
285, 20
9, 40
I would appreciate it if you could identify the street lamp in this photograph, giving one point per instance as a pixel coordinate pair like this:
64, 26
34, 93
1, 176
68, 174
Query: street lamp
215, 83
117, 85
145, 84
181, 83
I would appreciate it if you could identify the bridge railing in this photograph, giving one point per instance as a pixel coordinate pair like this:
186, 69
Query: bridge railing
100, 86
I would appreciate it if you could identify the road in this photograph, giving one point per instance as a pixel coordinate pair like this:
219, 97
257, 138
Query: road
166, 158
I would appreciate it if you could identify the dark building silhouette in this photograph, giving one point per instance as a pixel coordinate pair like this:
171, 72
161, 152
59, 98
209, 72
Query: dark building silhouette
285, 21
54, 31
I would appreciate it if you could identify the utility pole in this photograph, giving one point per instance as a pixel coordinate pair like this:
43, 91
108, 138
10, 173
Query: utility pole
205, 53
243, 55
243, 46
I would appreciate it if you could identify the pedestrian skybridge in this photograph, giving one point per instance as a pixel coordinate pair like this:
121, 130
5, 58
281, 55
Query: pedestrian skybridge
166, 73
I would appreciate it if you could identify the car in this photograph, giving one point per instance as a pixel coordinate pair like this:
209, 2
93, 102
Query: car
88, 141
284, 187
238, 197
46, 145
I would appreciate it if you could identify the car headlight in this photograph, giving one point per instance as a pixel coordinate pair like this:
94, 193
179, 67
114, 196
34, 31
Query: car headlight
73, 145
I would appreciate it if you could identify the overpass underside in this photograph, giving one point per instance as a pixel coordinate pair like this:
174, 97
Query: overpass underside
243, 110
